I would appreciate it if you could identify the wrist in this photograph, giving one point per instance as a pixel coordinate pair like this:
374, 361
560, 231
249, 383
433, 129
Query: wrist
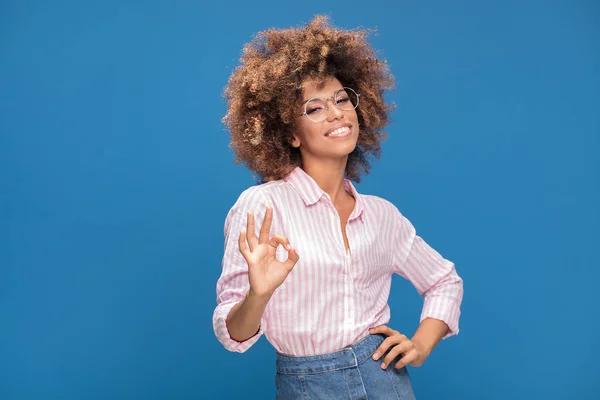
423, 347
258, 298
429, 333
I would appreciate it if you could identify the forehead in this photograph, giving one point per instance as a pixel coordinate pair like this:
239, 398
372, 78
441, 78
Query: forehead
320, 87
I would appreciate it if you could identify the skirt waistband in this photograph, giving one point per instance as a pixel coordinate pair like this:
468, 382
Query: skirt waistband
347, 357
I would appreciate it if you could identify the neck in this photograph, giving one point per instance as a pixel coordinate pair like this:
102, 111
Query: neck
329, 175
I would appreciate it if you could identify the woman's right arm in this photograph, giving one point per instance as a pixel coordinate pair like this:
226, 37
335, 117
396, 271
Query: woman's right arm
251, 273
265, 274
243, 321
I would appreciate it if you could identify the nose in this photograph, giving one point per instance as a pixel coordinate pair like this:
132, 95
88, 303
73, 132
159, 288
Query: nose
334, 112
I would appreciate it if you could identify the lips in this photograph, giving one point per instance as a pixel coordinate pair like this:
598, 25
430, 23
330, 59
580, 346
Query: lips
339, 130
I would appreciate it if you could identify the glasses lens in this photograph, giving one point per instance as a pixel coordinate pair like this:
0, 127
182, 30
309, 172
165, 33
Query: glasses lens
316, 110
346, 99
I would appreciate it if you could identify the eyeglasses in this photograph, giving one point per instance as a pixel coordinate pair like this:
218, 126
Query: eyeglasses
344, 99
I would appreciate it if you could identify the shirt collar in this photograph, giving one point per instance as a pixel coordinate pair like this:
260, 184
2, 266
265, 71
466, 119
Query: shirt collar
358, 206
310, 192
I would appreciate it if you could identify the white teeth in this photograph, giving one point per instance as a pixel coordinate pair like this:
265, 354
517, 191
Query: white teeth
340, 131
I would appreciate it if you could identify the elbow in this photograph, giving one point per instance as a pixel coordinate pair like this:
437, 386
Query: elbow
450, 286
222, 332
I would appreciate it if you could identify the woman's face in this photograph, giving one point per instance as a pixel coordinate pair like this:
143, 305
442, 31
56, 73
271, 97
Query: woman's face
333, 138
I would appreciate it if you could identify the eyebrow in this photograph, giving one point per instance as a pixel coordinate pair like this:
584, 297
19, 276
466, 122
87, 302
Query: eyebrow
306, 101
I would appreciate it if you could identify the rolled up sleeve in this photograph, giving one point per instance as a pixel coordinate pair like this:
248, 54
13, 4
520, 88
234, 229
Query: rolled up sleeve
222, 333
233, 283
434, 277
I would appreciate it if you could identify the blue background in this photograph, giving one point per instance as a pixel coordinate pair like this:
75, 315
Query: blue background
116, 176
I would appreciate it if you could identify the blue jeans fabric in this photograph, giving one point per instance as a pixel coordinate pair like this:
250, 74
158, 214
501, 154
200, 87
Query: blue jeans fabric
349, 374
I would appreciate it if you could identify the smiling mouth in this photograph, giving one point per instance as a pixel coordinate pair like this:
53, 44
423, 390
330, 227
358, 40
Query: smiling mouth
339, 132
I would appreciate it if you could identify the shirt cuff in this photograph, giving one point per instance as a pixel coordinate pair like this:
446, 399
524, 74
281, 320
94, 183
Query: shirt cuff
222, 333
443, 309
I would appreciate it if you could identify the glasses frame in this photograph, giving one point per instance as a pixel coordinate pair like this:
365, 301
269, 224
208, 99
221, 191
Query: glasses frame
334, 97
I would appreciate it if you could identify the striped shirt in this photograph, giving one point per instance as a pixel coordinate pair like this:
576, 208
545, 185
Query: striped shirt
331, 298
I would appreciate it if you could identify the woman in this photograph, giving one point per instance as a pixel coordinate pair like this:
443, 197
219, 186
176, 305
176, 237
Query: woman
308, 260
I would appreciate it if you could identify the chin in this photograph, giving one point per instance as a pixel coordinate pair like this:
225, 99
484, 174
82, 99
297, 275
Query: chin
349, 150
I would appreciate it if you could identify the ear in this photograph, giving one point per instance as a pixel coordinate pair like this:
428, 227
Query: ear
295, 142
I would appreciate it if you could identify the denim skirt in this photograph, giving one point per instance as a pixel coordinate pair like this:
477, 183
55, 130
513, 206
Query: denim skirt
349, 374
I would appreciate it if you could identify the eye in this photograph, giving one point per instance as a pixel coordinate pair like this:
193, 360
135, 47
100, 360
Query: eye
313, 110
343, 100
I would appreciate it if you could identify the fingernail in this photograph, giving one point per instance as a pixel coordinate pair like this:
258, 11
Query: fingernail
383, 366
375, 356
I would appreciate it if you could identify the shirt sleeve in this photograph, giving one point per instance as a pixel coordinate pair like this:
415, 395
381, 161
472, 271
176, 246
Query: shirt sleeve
434, 277
233, 282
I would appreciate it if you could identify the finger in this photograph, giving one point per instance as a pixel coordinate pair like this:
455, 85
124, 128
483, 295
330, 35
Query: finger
242, 245
386, 330
293, 258
277, 240
408, 358
293, 255
265, 229
251, 235
404, 347
386, 344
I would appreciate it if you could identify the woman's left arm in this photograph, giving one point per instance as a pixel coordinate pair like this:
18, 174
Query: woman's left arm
435, 279
414, 351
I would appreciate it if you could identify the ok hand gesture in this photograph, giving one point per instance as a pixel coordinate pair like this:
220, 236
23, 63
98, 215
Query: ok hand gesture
265, 272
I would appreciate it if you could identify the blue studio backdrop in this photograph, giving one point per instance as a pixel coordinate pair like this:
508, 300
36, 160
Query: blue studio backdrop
116, 177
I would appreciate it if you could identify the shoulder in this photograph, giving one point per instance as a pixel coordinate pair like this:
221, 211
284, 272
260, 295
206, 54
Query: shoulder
386, 215
380, 204
254, 199
258, 195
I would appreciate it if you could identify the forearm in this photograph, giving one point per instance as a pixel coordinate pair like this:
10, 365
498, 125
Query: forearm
244, 318
429, 333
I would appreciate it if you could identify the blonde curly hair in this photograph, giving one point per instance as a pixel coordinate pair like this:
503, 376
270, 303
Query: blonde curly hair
264, 94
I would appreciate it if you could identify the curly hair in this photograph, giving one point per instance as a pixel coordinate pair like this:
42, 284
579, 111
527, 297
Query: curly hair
262, 94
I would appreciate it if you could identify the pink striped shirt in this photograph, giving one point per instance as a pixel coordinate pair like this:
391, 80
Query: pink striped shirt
332, 297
